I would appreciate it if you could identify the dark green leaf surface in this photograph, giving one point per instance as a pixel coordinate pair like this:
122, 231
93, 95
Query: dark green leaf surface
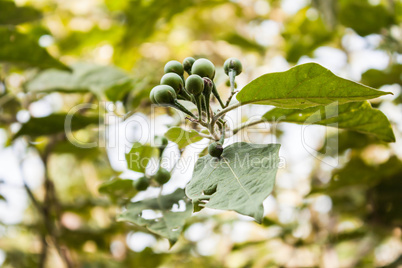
378, 78
53, 124
304, 86
182, 137
240, 180
23, 50
10, 14
170, 223
356, 116
118, 188
107, 80
139, 156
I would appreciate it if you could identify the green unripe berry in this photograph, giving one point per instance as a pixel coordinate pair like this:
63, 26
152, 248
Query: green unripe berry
195, 84
174, 66
203, 68
232, 64
163, 95
215, 149
141, 184
162, 176
152, 97
174, 80
188, 63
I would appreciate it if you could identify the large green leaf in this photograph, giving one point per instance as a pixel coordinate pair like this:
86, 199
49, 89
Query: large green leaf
107, 80
304, 86
182, 137
139, 156
240, 180
23, 50
356, 116
11, 14
171, 221
53, 124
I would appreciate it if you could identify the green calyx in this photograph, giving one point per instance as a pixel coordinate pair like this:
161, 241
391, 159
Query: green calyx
203, 68
174, 66
141, 184
232, 64
187, 64
208, 86
215, 149
162, 176
174, 80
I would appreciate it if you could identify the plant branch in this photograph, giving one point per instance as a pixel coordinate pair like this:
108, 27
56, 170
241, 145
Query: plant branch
248, 124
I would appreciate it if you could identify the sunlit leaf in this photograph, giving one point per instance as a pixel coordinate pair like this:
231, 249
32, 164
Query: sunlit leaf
139, 156
171, 212
304, 86
356, 116
182, 137
240, 180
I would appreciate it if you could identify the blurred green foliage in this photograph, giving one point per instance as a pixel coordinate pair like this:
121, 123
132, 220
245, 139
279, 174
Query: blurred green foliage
74, 222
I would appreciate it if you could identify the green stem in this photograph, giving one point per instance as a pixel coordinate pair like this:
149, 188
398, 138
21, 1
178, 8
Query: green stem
180, 107
199, 106
248, 124
216, 94
232, 75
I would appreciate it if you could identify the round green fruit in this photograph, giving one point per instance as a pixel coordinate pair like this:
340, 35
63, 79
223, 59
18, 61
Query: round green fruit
174, 66
174, 80
162, 176
141, 184
163, 95
203, 68
188, 63
195, 84
215, 149
232, 64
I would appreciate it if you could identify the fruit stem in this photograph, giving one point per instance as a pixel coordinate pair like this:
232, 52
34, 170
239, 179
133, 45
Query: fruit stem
198, 98
216, 94
180, 107
232, 75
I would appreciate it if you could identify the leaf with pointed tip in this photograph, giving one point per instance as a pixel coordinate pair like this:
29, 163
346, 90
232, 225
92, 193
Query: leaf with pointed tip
170, 208
182, 137
139, 156
356, 116
23, 50
304, 86
240, 180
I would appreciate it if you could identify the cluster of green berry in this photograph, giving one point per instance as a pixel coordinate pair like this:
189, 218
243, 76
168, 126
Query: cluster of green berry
197, 88
161, 177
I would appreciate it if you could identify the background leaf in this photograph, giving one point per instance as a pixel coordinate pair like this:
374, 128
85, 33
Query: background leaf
107, 80
170, 223
240, 180
23, 50
118, 188
356, 116
304, 86
11, 14
139, 156
182, 137
53, 124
